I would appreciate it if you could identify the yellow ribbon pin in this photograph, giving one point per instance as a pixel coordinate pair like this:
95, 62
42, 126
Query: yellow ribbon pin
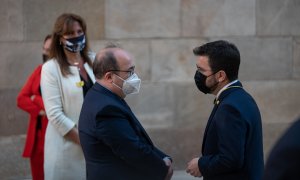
80, 84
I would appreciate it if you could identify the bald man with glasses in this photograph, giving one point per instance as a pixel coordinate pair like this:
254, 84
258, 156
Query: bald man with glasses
114, 143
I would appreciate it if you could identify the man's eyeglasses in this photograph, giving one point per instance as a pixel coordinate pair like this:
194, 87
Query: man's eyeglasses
129, 72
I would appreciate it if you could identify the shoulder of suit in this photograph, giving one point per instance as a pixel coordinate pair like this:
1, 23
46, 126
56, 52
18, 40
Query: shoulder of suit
238, 96
114, 109
50, 63
50, 66
237, 93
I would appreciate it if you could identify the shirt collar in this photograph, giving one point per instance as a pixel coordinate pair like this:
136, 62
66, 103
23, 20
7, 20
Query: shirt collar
225, 87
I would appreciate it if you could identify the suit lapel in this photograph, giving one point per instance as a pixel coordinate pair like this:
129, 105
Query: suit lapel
138, 124
133, 121
142, 129
208, 124
217, 102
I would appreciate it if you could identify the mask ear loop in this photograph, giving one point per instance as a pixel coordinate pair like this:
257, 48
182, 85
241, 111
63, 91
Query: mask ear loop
119, 78
116, 85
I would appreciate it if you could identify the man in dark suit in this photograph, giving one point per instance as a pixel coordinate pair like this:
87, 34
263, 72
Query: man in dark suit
284, 159
115, 145
232, 144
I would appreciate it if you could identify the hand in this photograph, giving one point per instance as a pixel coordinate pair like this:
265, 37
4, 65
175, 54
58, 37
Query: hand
73, 135
32, 97
168, 162
42, 113
193, 169
169, 174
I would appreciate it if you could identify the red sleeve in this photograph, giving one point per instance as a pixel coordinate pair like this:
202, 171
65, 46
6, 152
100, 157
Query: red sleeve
38, 100
23, 100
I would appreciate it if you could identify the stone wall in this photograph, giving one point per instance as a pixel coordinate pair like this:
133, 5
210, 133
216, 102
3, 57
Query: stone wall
161, 35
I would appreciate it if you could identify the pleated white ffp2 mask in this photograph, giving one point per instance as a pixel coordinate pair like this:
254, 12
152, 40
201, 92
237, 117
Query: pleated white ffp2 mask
131, 85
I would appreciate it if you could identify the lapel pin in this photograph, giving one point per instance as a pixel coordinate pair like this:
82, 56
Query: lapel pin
80, 84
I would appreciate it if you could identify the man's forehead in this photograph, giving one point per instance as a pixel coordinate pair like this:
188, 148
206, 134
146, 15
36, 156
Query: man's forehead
202, 63
202, 60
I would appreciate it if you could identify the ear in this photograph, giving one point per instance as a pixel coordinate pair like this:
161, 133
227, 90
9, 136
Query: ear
108, 77
222, 76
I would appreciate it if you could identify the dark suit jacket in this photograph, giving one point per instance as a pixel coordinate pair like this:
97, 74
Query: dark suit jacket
284, 159
115, 145
232, 145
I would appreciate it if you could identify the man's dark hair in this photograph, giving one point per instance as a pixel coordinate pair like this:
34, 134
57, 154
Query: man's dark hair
106, 62
222, 55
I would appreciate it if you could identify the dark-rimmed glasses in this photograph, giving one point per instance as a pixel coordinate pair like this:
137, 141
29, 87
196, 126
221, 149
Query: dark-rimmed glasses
116, 70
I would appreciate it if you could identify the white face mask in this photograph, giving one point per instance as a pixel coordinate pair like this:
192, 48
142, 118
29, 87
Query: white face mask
131, 85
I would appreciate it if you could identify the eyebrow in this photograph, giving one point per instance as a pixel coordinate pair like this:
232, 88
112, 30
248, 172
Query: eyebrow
73, 31
201, 69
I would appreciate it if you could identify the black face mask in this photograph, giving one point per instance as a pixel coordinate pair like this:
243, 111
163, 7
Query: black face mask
45, 58
75, 44
200, 83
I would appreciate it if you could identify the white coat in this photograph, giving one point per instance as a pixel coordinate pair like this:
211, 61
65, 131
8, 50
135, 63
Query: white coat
63, 99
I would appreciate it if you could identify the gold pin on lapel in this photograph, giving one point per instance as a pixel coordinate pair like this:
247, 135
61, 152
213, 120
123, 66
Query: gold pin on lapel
80, 84
216, 101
